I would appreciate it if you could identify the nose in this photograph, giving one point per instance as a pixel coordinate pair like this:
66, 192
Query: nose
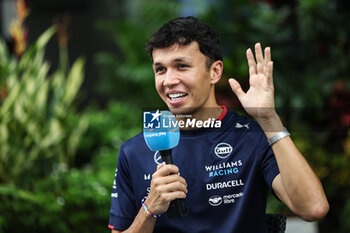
171, 78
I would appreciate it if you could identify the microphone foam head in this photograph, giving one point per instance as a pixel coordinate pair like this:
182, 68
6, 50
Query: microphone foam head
160, 130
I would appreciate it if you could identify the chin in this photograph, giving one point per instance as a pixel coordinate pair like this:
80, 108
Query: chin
181, 110
176, 110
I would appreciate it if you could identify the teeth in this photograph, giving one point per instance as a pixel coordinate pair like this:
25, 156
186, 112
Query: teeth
177, 96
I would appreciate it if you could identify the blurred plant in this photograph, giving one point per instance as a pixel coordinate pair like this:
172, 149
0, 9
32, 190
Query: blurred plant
70, 200
39, 129
17, 30
108, 129
19, 34
63, 37
74, 200
333, 170
128, 75
38, 124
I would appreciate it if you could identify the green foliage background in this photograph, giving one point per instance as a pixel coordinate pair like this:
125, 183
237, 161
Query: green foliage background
57, 164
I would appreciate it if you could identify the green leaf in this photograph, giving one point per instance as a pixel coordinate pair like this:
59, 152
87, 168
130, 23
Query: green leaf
44, 38
10, 190
36, 50
74, 81
11, 98
4, 57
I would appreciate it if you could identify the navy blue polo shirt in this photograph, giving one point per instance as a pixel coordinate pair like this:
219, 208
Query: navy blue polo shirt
228, 172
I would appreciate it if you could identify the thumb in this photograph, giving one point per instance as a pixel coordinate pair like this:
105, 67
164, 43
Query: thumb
236, 88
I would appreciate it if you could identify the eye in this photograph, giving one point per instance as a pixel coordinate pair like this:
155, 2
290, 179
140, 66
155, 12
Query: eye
182, 66
159, 69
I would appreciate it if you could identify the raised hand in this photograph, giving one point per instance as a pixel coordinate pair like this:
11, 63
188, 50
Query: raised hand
258, 101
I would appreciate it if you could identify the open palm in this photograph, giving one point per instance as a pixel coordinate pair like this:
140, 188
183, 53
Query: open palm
258, 101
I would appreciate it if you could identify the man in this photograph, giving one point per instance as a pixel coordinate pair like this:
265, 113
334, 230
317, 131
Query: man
225, 173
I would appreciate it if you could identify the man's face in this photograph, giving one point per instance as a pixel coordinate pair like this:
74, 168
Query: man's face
182, 78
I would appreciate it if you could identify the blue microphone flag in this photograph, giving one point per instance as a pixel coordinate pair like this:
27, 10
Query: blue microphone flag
160, 130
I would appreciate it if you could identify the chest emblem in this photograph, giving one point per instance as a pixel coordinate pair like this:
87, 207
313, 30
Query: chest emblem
223, 150
215, 200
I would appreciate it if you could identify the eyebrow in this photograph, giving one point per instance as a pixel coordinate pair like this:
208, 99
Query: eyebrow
179, 59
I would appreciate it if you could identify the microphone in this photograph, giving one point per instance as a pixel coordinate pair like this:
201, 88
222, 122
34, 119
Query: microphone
161, 133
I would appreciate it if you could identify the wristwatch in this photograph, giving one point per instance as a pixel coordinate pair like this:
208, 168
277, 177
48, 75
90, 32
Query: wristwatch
278, 136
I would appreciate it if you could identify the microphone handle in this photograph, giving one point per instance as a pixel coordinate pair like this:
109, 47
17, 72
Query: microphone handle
177, 207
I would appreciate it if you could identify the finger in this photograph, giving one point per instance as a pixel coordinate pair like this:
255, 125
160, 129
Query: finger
172, 187
267, 53
260, 68
161, 180
236, 88
259, 58
170, 183
270, 73
168, 197
267, 59
166, 170
251, 62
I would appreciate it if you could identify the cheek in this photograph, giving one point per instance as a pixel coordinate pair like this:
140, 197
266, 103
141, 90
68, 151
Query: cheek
158, 86
201, 86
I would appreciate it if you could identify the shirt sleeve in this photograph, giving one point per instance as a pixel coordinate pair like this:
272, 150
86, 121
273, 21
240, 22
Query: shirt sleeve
123, 209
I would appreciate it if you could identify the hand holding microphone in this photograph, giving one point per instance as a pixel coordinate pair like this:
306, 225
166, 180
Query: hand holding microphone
166, 185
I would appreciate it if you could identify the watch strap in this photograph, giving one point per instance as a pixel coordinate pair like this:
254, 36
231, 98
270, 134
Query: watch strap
278, 136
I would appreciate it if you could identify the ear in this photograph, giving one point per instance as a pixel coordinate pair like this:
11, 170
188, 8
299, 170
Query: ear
216, 71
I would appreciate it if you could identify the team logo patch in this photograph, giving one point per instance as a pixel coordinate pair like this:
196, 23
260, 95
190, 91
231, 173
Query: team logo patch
228, 199
215, 200
223, 150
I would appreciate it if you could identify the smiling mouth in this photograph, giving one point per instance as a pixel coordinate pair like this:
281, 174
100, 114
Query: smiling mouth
176, 96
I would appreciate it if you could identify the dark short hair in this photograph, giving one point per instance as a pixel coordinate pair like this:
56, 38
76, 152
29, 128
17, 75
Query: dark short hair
183, 31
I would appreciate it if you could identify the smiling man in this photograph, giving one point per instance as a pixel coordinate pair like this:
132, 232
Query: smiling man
224, 173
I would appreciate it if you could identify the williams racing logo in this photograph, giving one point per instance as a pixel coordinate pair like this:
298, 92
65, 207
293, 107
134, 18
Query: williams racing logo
224, 169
